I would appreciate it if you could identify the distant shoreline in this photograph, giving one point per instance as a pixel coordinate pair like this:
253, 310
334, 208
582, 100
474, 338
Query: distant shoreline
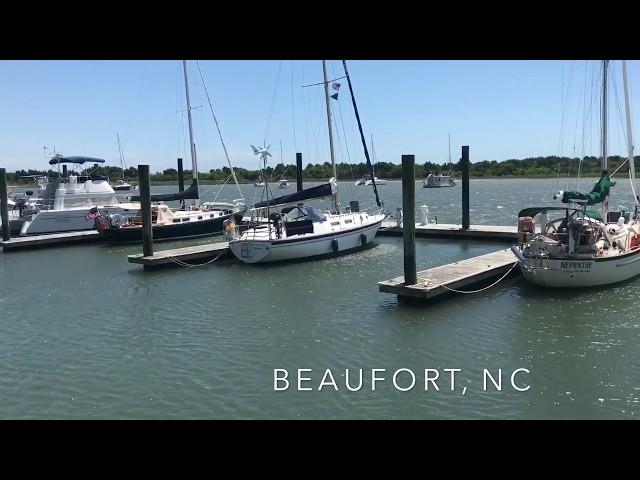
322, 180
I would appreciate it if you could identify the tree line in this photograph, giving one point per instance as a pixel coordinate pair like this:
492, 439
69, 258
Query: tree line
549, 166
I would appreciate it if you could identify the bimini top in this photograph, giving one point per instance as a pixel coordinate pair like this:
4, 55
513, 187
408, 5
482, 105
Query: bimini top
533, 211
78, 160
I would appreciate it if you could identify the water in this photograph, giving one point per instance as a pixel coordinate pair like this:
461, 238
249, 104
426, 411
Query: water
85, 334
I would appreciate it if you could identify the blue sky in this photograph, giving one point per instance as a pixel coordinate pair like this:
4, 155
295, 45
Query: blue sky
501, 109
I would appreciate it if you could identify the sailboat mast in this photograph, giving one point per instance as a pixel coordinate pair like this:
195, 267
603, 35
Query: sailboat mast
194, 161
121, 156
605, 64
450, 165
632, 165
333, 159
373, 154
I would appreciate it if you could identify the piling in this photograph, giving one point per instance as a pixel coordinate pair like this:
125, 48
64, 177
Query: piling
180, 176
64, 171
299, 171
145, 208
4, 206
465, 187
409, 218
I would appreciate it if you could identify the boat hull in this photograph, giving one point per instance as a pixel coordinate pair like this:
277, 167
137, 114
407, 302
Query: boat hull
262, 251
589, 272
57, 221
169, 232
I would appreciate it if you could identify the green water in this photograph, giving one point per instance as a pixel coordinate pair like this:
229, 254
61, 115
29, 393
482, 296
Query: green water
85, 334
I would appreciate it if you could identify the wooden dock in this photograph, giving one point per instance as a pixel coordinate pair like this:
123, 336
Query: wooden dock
191, 256
50, 240
462, 275
450, 230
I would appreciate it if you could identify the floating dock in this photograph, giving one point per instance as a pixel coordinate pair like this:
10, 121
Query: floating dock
50, 240
187, 256
450, 230
460, 275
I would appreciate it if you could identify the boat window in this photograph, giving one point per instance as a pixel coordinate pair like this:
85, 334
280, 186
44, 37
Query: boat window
186, 219
348, 220
200, 217
333, 224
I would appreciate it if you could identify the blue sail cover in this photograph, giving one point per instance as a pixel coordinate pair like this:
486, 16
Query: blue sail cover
324, 190
77, 160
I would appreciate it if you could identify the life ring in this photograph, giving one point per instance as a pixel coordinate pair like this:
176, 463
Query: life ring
117, 220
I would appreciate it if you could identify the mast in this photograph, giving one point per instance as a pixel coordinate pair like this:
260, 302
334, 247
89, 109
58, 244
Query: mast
450, 166
333, 159
605, 64
364, 143
373, 154
121, 157
194, 161
632, 166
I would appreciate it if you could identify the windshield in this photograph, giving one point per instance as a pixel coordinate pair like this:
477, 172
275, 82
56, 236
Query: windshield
308, 213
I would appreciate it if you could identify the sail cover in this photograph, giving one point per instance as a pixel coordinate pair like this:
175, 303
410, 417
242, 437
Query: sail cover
190, 193
599, 192
78, 160
324, 190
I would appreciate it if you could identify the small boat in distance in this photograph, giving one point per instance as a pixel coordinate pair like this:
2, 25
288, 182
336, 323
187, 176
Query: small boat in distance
437, 181
284, 183
366, 179
121, 185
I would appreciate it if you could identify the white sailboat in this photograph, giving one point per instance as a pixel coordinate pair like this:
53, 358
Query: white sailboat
121, 185
366, 179
583, 248
300, 231
439, 180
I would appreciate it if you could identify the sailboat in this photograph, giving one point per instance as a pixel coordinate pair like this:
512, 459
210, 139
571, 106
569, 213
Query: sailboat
366, 179
437, 181
121, 185
300, 231
583, 248
167, 223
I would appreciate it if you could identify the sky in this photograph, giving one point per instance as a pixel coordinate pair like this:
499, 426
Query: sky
501, 109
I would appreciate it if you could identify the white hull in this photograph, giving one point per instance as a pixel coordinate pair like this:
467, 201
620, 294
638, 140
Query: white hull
55, 221
581, 272
378, 182
261, 251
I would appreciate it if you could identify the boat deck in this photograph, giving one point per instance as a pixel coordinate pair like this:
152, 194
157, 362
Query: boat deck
460, 275
195, 255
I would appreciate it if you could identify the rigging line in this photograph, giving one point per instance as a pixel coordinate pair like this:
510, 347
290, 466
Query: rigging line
322, 83
427, 282
215, 119
619, 109
273, 101
135, 107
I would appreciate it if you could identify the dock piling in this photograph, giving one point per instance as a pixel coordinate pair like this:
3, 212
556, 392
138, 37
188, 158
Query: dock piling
145, 204
465, 187
299, 171
180, 176
409, 218
4, 206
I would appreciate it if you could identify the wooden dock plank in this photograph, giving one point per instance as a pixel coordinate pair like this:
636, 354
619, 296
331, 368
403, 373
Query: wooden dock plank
50, 240
458, 275
186, 254
450, 230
